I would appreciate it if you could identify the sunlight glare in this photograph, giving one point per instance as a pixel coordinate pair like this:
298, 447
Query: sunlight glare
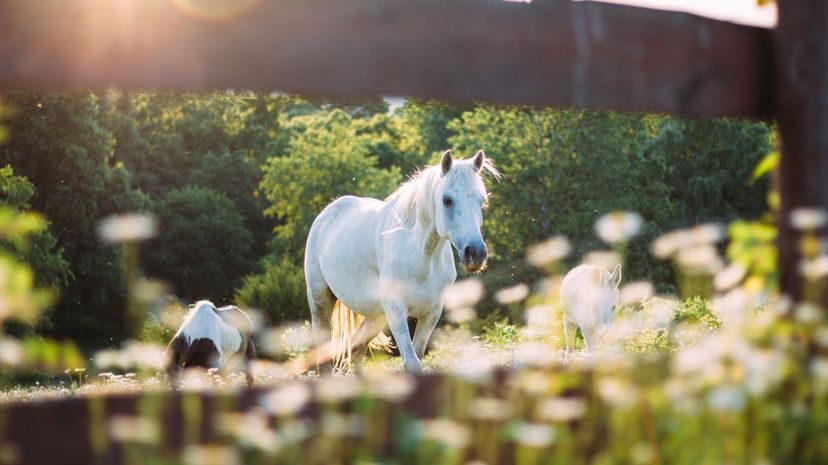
214, 10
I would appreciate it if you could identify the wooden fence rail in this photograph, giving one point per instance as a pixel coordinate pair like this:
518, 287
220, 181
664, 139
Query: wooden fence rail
550, 53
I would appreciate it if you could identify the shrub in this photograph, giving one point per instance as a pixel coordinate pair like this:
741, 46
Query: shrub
203, 248
279, 292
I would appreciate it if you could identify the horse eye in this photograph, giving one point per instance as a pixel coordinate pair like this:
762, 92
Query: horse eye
447, 201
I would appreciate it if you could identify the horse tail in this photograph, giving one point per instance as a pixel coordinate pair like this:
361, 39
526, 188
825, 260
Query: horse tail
344, 324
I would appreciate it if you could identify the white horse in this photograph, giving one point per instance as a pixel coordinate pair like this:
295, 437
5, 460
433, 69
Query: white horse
390, 260
208, 336
589, 295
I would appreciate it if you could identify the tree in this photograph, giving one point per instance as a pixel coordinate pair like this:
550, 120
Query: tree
45, 257
203, 248
324, 160
563, 169
58, 143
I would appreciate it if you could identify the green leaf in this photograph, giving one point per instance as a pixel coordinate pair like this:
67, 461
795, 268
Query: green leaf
768, 163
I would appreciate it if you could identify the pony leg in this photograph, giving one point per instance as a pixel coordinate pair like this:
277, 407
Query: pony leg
425, 326
569, 332
321, 301
589, 338
249, 355
397, 316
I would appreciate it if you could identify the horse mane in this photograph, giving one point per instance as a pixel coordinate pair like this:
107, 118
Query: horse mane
413, 202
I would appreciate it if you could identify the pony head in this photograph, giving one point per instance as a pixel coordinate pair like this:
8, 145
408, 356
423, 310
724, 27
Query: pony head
459, 198
608, 295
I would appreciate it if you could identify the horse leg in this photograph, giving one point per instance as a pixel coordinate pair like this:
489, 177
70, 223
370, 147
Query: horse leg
425, 326
589, 338
249, 355
321, 301
368, 330
569, 332
397, 316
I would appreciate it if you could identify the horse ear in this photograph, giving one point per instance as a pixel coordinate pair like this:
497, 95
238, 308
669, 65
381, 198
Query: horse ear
446, 161
479, 158
615, 277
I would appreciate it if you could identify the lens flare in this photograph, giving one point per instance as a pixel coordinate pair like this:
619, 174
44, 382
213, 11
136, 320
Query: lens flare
215, 10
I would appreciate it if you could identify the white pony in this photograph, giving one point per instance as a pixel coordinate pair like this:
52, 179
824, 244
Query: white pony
390, 260
208, 336
589, 295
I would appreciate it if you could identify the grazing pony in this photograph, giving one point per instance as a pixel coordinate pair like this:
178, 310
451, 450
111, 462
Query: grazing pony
209, 336
390, 260
589, 295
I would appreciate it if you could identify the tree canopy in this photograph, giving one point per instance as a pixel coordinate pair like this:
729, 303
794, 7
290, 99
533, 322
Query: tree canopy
236, 179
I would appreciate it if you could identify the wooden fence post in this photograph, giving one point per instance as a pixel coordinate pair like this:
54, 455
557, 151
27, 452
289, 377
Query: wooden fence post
801, 67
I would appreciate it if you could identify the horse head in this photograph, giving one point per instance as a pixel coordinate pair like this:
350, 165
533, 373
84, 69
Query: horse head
459, 201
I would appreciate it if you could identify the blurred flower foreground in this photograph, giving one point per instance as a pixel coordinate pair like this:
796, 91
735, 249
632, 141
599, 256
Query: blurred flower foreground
725, 372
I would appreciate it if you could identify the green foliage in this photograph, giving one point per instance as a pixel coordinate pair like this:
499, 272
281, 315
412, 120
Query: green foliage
279, 292
203, 248
280, 160
42, 253
697, 310
155, 331
501, 334
58, 143
711, 164
324, 160
563, 169
22, 298
753, 245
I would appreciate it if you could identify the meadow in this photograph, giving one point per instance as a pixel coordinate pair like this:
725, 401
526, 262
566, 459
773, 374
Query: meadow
185, 197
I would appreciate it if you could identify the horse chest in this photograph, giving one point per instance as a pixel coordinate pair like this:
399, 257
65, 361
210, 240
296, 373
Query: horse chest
423, 291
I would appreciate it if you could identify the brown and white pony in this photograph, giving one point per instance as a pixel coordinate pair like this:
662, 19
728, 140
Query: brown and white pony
210, 336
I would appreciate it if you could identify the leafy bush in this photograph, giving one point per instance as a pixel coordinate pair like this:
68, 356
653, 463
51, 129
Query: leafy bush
203, 248
279, 292
697, 310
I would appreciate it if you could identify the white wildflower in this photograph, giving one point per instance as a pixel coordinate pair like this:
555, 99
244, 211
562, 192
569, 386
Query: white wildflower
706, 234
548, 252
132, 429
128, 228
617, 392
473, 364
618, 226
388, 386
465, 293
287, 400
819, 368
461, 314
534, 435
512, 294
562, 409
807, 313
534, 354
11, 352
808, 219
335, 389
448, 432
729, 276
635, 292
605, 259
489, 409
732, 307
815, 268
703, 259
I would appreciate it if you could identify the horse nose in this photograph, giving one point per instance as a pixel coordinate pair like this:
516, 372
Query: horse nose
475, 253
